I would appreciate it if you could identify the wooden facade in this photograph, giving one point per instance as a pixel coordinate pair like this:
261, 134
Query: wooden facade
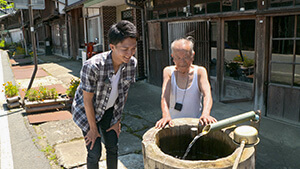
99, 18
255, 31
76, 30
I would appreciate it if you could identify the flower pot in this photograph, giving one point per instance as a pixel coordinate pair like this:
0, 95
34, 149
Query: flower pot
13, 102
13, 105
12, 99
51, 104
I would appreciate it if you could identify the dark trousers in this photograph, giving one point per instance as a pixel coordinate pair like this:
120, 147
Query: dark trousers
110, 141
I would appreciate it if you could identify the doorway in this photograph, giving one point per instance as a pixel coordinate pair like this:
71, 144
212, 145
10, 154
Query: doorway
238, 60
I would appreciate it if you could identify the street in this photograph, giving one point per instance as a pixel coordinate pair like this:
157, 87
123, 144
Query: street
17, 148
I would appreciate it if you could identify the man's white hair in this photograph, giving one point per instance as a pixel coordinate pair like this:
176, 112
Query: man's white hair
184, 41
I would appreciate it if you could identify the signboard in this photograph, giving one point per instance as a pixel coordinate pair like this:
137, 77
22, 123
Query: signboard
36, 4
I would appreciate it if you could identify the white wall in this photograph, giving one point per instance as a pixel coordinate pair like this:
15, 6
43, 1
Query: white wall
70, 2
16, 35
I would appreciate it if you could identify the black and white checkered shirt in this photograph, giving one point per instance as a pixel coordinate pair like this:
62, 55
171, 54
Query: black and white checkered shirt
95, 77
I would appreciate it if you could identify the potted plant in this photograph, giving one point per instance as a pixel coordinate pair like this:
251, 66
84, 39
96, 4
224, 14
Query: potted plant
245, 64
42, 99
72, 88
248, 66
12, 95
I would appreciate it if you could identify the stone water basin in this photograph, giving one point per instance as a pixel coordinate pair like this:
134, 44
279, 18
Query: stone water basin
164, 148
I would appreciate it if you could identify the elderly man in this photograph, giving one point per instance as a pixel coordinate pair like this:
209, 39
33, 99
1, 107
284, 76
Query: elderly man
185, 87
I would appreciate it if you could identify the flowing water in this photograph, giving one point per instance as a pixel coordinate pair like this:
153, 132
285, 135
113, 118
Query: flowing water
210, 147
192, 143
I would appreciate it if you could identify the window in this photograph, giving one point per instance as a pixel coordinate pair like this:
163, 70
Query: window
127, 15
229, 5
94, 32
213, 49
239, 53
172, 12
213, 7
162, 14
199, 9
285, 54
281, 3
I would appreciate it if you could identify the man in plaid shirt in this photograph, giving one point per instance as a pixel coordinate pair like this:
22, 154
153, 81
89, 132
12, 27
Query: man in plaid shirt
101, 95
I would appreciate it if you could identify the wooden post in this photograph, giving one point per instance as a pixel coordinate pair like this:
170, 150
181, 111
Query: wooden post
260, 67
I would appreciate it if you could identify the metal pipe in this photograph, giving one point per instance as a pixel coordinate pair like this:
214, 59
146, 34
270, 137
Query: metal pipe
23, 32
231, 121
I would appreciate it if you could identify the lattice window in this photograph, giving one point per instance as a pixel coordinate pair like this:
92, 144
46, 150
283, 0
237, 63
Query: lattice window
127, 15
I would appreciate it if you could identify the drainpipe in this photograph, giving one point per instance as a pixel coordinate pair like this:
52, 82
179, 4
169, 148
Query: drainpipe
143, 32
67, 29
23, 32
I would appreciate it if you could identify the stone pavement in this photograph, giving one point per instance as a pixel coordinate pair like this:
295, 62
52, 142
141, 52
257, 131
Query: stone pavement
279, 146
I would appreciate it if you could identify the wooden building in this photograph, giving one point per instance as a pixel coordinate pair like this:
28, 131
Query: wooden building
251, 48
75, 28
100, 15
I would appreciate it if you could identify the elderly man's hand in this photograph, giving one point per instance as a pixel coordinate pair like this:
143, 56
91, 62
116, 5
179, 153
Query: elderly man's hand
207, 119
163, 121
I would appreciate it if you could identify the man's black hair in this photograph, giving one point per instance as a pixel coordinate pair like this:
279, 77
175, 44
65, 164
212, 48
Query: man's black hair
120, 31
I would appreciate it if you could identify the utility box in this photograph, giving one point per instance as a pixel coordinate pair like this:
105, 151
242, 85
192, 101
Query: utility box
48, 49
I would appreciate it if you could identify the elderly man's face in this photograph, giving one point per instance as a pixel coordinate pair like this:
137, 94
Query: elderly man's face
182, 59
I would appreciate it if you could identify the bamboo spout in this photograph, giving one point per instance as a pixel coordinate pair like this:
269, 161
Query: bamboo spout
231, 121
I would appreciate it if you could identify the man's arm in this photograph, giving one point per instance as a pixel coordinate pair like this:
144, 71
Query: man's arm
165, 99
93, 133
204, 87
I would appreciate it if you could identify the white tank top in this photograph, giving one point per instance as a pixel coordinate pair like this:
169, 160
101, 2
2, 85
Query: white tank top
192, 103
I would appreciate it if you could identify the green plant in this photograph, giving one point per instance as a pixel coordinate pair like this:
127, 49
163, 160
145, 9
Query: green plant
238, 58
50, 153
41, 94
31, 54
2, 43
45, 93
73, 87
248, 62
20, 50
10, 89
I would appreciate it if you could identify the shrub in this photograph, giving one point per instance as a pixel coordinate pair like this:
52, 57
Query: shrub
73, 87
10, 89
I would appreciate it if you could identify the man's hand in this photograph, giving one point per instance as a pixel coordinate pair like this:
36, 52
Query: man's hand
91, 137
207, 119
163, 121
116, 127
